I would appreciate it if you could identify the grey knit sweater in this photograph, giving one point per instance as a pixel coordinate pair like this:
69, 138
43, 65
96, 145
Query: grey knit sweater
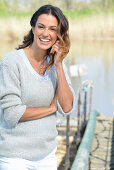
22, 87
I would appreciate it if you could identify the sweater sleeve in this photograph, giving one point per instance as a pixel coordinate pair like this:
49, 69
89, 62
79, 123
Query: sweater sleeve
10, 95
60, 110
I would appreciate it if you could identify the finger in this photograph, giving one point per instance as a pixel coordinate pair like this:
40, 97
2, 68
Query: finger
57, 42
52, 50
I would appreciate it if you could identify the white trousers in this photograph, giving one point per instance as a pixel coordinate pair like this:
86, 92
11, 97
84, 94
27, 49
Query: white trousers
48, 163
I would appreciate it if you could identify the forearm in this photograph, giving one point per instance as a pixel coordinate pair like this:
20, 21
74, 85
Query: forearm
65, 95
37, 113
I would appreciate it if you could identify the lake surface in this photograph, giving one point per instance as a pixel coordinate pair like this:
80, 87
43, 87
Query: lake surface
98, 56
99, 59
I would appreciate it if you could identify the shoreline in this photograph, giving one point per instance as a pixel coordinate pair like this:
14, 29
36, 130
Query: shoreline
94, 27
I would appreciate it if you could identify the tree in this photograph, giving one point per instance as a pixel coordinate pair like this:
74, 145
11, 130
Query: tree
4, 5
108, 4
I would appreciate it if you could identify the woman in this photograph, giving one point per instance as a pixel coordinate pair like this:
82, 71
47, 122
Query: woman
34, 84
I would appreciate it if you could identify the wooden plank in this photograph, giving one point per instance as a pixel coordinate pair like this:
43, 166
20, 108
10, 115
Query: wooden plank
102, 152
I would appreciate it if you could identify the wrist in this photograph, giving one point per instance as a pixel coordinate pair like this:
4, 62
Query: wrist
58, 65
52, 108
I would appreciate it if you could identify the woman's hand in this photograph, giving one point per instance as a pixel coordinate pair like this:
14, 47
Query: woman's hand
58, 52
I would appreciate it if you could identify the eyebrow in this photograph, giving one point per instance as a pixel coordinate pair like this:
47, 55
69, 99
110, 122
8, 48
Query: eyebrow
44, 25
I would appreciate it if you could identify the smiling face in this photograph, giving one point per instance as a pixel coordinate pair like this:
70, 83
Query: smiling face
45, 31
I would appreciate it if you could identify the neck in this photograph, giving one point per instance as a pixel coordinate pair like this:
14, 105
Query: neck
36, 53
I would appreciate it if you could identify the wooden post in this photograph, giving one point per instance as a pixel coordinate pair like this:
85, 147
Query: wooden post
67, 159
85, 106
90, 99
78, 120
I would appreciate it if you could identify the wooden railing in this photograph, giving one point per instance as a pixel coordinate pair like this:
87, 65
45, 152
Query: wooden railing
83, 109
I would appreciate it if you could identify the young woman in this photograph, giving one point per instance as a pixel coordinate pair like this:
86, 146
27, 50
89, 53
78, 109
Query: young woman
34, 84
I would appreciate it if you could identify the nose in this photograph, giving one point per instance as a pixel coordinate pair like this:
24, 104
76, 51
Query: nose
46, 32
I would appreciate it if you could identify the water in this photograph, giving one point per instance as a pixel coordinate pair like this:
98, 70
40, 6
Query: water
99, 58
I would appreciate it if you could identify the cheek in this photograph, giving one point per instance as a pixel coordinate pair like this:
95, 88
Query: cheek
53, 42
54, 37
38, 32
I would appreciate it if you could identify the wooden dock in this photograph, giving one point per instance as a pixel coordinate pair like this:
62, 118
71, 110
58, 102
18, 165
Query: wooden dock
102, 152
61, 150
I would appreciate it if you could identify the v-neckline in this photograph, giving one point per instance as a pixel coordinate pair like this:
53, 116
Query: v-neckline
32, 70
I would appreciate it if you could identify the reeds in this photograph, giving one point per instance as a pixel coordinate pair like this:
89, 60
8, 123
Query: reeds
13, 28
98, 26
95, 27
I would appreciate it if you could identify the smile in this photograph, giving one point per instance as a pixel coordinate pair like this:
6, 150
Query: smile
44, 40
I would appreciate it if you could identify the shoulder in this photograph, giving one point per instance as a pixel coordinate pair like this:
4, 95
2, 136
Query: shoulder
10, 59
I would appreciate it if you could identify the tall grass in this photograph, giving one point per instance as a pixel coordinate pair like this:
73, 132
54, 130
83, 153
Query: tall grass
97, 26
14, 28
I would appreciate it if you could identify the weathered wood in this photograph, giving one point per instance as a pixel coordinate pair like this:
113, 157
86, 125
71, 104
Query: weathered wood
101, 156
102, 152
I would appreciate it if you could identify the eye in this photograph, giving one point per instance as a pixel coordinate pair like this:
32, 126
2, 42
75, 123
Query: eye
53, 29
41, 27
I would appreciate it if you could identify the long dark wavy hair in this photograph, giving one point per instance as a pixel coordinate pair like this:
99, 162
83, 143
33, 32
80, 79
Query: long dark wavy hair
62, 33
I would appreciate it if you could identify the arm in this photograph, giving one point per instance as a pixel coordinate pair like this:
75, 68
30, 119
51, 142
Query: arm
64, 90
65, 96
37, 113
11, 105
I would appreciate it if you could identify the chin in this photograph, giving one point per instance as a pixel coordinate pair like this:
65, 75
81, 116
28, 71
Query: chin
44, 47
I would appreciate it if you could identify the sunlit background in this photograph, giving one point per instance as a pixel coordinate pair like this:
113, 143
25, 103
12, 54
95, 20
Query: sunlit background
92, 40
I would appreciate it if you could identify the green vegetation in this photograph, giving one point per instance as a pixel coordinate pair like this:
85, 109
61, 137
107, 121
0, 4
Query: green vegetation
71, 8
69, 14
6, 14
87, 20
86, 12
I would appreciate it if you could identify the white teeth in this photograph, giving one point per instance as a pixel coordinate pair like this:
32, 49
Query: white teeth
44, 40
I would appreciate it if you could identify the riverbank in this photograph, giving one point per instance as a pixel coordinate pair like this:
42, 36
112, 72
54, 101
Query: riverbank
83, 26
